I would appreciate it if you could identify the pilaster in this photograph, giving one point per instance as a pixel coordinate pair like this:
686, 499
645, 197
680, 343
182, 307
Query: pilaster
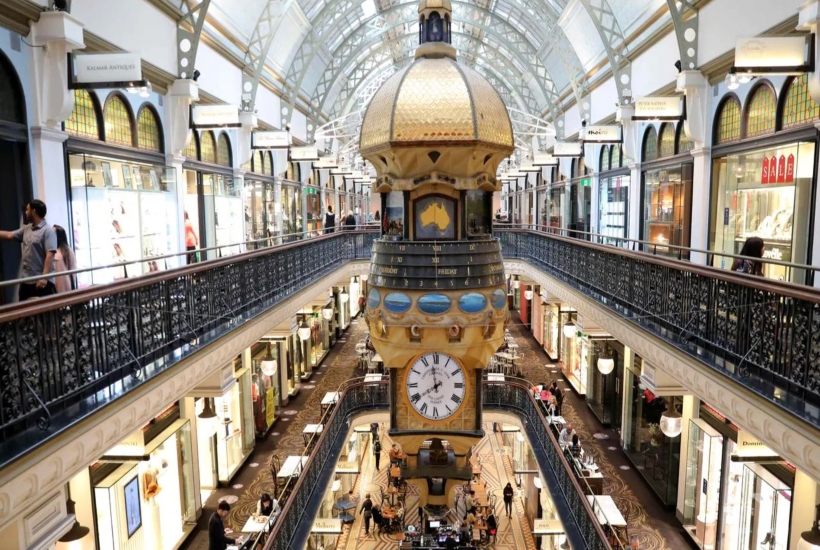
181, 95
700, 202
634, 202
696, 88
175, 161
49, 165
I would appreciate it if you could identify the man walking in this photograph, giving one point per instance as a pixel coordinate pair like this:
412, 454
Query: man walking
217, 538
39, 244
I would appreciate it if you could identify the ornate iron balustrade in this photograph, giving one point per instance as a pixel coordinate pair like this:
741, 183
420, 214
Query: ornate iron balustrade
65, 357
762, 333
291, 528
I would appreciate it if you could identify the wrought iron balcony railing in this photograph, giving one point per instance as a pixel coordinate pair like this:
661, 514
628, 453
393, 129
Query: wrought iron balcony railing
303, 494
65, 357
761, 333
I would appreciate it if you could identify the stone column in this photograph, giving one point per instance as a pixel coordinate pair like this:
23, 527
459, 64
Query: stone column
55, 35
699, 236
175, 161
635, 202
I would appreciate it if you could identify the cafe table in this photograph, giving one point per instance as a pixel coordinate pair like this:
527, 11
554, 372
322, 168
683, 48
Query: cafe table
330, 399
606, 510
254, 526
311, 430
293, 466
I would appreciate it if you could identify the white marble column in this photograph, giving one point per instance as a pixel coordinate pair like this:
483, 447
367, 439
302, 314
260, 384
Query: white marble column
701, 177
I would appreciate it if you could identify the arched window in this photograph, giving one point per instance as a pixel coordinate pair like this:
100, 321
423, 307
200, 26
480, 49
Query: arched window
12, 102
761, 112
605, 161
83, 121
728, 122
118, 126
224, 150
667, 140
257, 161
265, 164
192, 149
207, 147
269, 156
148, 132
798, 107
685, 144
650, 144
615, 156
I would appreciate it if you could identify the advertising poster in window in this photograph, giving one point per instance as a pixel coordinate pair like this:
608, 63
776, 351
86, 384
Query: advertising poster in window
133, 517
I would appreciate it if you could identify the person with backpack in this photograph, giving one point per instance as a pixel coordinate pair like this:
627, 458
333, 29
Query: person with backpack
377, 452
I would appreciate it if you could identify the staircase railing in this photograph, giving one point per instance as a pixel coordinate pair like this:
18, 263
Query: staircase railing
64, 357
761, 333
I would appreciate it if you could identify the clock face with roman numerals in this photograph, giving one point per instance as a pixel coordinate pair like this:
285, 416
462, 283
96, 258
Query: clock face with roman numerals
436, 385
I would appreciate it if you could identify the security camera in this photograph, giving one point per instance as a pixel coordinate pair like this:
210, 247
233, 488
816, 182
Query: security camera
59, 5
287, 127
196, 75
678, 65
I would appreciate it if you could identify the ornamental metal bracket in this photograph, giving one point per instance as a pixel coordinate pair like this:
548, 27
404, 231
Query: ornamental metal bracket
189, 31
615, 47
685, 20
44, 422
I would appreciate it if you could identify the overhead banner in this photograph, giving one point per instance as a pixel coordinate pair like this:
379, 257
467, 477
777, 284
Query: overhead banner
270, 140
658, 108
770, 53
216, 116
568, 149
603, 134
544, 159
120, 70
304, 154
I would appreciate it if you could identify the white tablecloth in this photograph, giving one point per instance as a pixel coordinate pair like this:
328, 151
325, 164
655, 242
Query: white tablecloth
292, 466
330, 398
606, 510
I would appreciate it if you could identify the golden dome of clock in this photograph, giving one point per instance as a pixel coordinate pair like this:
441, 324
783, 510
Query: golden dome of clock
436, 119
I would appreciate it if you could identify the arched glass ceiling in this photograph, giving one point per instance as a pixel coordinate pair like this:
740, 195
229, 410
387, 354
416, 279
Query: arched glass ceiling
550, 47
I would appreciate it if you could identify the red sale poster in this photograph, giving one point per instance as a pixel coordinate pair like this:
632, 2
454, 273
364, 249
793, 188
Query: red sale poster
773, 170
781, 169
764, 176
790, 169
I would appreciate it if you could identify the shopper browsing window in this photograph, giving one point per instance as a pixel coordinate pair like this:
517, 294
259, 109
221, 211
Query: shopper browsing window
753, 249
330, 221
39, 245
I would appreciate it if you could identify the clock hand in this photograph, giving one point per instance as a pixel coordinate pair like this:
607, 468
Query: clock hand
432, 389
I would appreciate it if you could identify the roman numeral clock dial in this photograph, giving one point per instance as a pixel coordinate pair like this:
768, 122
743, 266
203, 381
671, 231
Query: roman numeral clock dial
436, 385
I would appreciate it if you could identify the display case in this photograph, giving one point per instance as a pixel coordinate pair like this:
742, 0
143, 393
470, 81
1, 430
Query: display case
122, 211
704, 462
551, 322
291, 209
667, 208
557, 208
228, 214
766, 194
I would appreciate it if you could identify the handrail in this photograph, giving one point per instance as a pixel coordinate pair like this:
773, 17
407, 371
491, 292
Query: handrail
282, 240
79, 351
600, 239
758, 332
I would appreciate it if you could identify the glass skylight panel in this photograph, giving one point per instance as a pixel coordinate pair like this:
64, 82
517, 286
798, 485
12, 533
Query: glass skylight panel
580, 31
631, 14
368, 8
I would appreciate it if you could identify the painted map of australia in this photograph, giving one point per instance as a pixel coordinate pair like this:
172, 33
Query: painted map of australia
435, 215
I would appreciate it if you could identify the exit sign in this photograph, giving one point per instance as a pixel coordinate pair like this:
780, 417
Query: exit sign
586, 182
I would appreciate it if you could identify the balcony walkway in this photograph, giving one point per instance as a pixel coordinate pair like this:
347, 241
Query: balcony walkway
656, 527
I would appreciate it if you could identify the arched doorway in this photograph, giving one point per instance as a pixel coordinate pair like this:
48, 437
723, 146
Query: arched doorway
15, 185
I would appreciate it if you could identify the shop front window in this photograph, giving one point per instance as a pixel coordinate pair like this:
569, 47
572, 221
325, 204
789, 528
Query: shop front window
228, 216
704, 462
291, 210
121, 211
557, 201
259, 218
313, 215
551, 322
656, 456
767, 194
613, 207
603, 391
667, 208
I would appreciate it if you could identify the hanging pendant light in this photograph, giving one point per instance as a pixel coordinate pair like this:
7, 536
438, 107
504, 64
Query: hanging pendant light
528, 294
207, 418
569, 330
327, 313
516, 283
810, 540
77, 531
268, 364
304, 331
671, 422
344, 296
606, 364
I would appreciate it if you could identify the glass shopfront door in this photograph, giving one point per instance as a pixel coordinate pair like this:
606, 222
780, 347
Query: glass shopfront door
667, 208
613, 207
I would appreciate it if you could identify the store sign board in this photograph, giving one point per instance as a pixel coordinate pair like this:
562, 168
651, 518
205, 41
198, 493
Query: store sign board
107, 68
215, 116
347, 467
770, 52
547, 527
657, 107
544, 159
133, 445
330, 526
748, 445
567, 149
270, 140
603, 134
304, 154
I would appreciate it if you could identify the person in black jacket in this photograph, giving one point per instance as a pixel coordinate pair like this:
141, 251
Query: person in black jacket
330, 221
377, 453
508, 498
217, 540
350, 221
367, 513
